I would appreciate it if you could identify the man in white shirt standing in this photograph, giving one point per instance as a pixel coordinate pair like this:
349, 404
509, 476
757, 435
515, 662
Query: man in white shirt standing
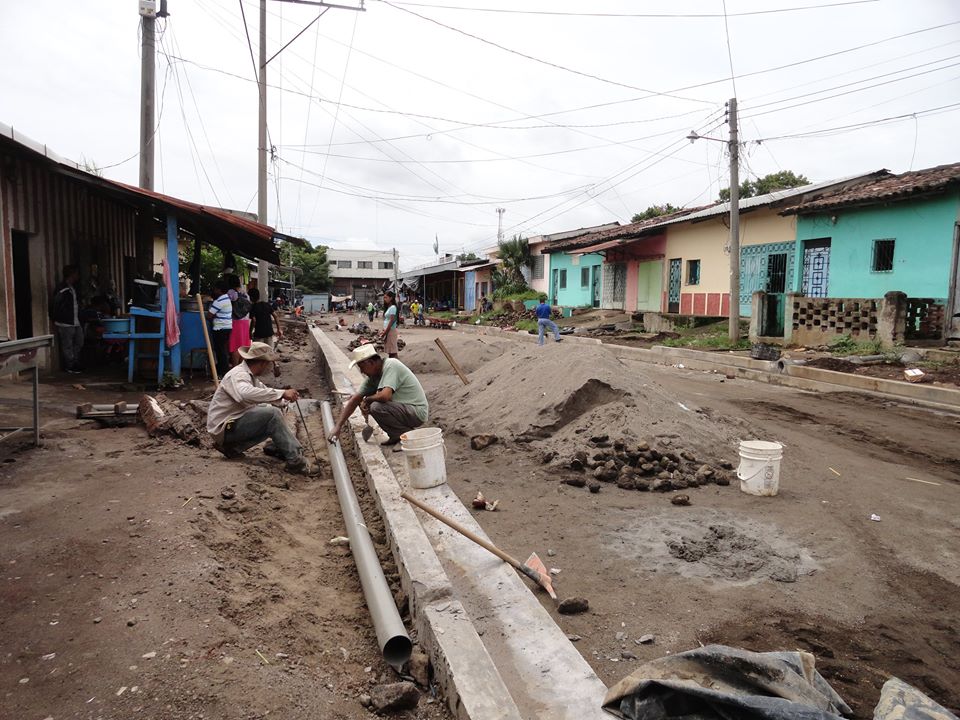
242, 413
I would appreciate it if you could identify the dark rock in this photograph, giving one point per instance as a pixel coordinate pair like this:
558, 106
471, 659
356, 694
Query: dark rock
682, 500
394, 697
573, 606
599, 438
662, 485
642, 484
672, 457
580, 455
479, 442
418, 667
547, 457
576, 464
646, 639
643, 447
653, 454
722, 479
726, 465
594, 486
687, 455
228, 493
664, 475
705, 472
647, 468
618, 445
602, 456
627, 655
574, 481
365, 700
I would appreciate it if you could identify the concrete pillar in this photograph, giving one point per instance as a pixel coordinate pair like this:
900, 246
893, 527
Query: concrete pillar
892, 319
788, 317
757, 303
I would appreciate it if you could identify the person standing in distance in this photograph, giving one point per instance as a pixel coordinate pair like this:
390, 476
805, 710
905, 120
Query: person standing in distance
390, 334
221, 311
545, 322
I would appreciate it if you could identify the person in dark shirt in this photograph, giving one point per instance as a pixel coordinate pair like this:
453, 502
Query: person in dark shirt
544, 322
264, 323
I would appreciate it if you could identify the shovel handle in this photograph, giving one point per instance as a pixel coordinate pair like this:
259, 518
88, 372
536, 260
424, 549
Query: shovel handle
490, 547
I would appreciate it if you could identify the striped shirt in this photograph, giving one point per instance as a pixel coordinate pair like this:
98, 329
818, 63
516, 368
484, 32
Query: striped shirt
222, 311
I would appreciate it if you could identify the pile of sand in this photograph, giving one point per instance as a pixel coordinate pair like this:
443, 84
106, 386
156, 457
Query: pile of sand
560, 395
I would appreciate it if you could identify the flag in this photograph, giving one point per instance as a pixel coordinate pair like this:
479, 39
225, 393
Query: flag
436, 244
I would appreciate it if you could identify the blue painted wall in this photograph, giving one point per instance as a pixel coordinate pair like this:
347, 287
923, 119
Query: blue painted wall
575, 294
923, 230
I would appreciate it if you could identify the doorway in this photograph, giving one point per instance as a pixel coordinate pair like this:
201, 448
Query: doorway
816, 268
22, 292
595, 285
673, 288
554, 286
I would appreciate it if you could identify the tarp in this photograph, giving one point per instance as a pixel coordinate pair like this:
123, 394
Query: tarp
340, 298
717, 682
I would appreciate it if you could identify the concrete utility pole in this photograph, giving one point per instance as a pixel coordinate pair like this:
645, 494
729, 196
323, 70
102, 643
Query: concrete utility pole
148, 64
262, 121
500, 212
396, 285
734, 145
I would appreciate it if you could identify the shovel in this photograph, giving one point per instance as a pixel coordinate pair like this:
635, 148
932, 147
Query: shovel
533, 568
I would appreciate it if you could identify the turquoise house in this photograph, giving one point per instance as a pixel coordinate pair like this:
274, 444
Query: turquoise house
896, 234
575, 280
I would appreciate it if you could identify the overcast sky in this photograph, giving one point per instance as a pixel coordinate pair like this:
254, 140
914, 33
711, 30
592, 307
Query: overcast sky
436, 129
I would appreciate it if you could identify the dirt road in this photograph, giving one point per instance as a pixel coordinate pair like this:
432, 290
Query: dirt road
133, 587
807, 569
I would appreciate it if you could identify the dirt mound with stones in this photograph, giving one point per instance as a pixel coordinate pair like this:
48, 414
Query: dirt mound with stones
561, 395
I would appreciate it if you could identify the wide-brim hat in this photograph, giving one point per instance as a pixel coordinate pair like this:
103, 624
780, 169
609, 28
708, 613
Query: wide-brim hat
257, 351
361, 353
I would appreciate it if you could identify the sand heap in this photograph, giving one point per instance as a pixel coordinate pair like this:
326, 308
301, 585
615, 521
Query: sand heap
559, 396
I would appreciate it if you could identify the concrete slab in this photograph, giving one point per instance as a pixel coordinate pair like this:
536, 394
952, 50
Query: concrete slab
524, 666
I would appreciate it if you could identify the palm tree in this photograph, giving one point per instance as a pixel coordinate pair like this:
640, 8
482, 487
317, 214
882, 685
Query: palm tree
514, 257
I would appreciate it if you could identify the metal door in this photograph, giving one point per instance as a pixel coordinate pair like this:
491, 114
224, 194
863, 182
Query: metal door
673, 288
614, 285
816, 267
756, 268
595, 285
470, 288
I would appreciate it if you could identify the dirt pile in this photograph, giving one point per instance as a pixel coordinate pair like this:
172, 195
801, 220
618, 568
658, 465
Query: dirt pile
558, 396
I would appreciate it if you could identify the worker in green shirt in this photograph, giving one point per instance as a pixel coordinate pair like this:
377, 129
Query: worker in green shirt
391, 394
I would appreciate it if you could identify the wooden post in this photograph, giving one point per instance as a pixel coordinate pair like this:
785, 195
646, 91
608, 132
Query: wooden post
453, 363
206, 337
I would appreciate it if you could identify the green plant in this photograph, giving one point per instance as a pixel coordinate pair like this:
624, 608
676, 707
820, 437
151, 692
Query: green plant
527, 294
846, 345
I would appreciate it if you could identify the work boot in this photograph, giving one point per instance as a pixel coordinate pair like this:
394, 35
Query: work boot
301, 466
390, 441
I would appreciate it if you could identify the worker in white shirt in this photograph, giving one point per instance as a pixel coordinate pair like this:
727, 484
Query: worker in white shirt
242, 413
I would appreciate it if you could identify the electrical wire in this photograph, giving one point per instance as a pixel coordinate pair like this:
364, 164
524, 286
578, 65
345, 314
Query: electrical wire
557, 13
548, 63
726, 31
857, 126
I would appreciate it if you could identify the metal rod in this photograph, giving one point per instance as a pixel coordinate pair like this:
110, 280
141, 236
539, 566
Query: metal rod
36, 406
391, 634
306, 430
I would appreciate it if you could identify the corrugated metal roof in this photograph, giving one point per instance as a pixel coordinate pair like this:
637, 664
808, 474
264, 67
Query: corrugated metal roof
886, 189
233, 232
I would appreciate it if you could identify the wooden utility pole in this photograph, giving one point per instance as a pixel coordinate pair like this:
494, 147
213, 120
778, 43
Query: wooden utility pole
734, 329
148, 64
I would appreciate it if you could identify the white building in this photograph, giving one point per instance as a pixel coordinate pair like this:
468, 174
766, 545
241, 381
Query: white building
360, 273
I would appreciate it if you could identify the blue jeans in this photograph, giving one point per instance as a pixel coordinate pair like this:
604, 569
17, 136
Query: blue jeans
547, 323
256, 425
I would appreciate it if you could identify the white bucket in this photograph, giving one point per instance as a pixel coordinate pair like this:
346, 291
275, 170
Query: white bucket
425, 453
759, 470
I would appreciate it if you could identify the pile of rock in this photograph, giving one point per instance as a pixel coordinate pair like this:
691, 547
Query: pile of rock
365, 339
638, 467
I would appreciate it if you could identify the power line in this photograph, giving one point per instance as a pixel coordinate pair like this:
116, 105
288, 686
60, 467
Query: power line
548, 63
557, 13
726, 31
858, 126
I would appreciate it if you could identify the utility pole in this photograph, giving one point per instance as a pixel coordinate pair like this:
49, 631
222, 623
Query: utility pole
148, 65
262, 122
734, 330
396, 285
500, 212
733, 145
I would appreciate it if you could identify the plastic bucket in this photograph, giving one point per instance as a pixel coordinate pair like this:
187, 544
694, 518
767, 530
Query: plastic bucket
425, 454
759, 470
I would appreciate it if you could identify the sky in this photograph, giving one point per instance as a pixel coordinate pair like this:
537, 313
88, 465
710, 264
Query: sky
415, 121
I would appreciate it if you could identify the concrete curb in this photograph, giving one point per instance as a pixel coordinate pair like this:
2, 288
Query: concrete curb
544, 675
462, 666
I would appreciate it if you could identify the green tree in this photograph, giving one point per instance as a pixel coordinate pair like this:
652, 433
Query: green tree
767, 184
313, 262
467, 257
514, 256
654, 211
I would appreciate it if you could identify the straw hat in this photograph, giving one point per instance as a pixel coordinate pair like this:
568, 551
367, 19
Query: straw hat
361, 353
257, 351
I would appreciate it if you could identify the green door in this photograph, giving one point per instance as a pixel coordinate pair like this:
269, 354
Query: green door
649, 285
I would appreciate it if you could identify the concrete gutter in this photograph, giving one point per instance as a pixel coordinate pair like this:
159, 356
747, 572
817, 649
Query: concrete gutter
523, 666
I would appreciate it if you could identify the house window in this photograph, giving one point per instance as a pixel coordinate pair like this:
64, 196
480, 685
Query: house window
537, 267
693, 272
883, 255
563, 279
344, 264
385, 266
584, 276
365, 264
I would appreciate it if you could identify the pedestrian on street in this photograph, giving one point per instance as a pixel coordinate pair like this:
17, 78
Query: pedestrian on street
264, 323
221, 310
390, 334
545, 322
370, 310
391, 394
65, 309
242, 412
